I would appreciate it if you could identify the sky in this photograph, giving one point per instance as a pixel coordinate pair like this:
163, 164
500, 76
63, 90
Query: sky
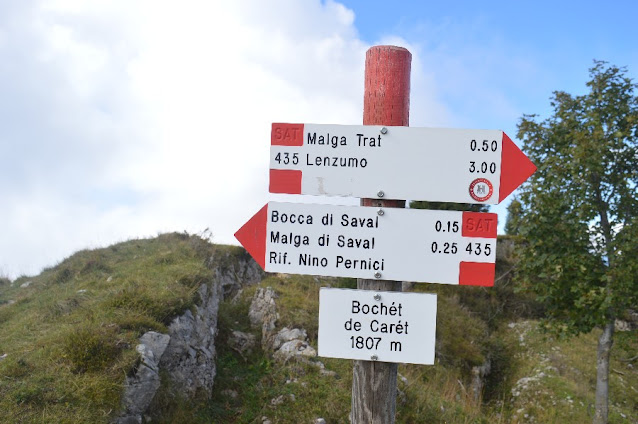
122, 119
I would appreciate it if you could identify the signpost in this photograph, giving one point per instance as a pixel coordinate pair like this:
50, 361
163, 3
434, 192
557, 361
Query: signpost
386, 101
381, 243
449, 247
433, 164
377, 326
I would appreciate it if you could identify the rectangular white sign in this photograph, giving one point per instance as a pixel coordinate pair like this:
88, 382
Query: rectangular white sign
377, 326
449, 247
434, 164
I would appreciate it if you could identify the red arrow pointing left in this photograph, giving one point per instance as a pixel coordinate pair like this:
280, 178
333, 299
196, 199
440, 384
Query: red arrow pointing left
253, 236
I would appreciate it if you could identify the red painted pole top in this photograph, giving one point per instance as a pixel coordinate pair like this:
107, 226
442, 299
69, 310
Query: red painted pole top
386, 99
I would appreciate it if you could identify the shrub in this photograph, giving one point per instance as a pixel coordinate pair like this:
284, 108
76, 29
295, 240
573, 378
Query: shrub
91, 349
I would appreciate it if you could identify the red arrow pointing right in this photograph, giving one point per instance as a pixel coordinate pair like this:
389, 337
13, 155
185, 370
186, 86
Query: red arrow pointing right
515, 168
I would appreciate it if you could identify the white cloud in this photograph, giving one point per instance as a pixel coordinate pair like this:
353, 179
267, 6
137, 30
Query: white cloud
121, 119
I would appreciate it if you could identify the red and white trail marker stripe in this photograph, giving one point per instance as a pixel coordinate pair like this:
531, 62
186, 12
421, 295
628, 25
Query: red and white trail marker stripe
433, 164
448, 247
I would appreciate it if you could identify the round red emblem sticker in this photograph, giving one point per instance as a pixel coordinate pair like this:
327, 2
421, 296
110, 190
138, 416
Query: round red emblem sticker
481, 189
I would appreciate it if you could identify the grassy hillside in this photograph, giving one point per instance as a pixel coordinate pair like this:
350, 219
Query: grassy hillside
535, 378
69, 336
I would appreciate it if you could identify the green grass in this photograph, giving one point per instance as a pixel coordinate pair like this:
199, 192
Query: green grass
564, 377
70, 338
428, 394
431, 394
257, 379
70, 335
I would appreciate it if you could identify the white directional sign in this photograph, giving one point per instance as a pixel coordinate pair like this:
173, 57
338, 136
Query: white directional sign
449, 247
434, 164
377, 326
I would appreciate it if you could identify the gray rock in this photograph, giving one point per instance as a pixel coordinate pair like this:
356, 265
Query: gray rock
155, 342
322, 369
237, 272
285, 335
294, 348
263, 314
291, 342
130, 420
622, 325
26, 284
141, 387
241, 342
320, 421
263, 309
479, 374
190, 356
236, 297
402, 378
3, 356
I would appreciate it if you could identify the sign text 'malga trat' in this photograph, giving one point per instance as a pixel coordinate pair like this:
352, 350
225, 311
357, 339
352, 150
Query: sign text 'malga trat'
448, 247
433, 164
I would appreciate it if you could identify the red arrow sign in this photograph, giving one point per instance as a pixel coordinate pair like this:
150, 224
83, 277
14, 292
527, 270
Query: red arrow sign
362, 242
434, 164
253, 236
516, 168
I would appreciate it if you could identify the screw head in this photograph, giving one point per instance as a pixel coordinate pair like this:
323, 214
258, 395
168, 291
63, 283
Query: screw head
377, 297
384, 130
374, 357
377, 275
380, 193
380, 212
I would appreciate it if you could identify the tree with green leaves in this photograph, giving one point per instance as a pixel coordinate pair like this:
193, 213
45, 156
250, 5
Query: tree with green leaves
513, 220
580, 211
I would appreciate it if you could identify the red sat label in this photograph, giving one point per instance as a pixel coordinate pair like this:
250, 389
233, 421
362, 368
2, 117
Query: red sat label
287, 135
479, 224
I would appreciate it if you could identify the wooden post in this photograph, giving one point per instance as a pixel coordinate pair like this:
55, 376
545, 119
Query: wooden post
386, 102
